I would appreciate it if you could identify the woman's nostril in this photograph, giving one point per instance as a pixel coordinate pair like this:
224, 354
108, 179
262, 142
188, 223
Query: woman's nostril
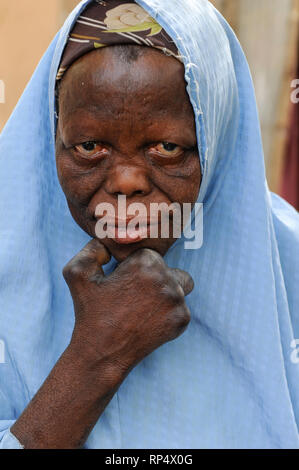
130, 193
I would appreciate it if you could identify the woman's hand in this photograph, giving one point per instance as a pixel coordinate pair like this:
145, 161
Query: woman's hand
123, 317
120, 319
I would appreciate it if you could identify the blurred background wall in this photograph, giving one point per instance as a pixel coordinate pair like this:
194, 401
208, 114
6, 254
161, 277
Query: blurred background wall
267, 29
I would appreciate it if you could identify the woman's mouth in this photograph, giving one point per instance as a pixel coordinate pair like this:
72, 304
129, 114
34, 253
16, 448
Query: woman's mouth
127, 231
125, 236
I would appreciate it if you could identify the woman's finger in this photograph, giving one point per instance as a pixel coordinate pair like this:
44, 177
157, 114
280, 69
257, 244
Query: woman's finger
87, 264
184, 279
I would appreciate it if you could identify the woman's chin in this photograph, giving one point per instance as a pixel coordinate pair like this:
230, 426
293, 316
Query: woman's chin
120, 250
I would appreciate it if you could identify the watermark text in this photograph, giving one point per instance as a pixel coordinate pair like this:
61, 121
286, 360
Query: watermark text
295, 93
2, 351
295, 352
2, 91
136, 221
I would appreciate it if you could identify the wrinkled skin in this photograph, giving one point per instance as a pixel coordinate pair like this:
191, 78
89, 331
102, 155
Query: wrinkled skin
128, 110
105, 319
125, 112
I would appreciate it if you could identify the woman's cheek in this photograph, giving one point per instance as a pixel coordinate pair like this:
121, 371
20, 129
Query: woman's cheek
78, 184
181, 188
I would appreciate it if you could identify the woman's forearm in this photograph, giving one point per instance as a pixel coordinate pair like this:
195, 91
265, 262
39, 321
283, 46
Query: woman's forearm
111, 336
69, 403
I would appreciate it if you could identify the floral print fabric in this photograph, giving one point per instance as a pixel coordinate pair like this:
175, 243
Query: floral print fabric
107, 23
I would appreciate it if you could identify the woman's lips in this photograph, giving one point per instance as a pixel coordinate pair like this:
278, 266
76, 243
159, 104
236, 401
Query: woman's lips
124, 233
129, 235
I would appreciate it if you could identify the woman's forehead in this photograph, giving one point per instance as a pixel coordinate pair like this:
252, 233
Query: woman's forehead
105, 75
147, 95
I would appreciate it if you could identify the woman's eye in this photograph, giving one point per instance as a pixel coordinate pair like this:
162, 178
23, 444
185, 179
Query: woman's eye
90, 148
167, 149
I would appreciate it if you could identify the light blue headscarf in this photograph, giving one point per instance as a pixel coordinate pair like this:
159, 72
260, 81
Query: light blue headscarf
232, 379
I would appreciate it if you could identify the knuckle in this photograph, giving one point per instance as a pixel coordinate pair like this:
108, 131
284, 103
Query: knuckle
181, 321
183, 279
156, 278
149, 258
71, 271
174, 293
67, 272
183, 318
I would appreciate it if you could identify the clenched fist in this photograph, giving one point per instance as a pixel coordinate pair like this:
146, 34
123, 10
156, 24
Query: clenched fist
123, 317
120, 319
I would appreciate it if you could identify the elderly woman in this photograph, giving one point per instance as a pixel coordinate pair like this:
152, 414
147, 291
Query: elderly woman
147, 103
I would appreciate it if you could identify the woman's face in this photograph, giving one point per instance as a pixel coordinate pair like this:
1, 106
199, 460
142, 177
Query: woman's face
126, 128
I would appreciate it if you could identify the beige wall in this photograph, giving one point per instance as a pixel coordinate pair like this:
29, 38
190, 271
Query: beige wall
268, 33
26, 29
65, 7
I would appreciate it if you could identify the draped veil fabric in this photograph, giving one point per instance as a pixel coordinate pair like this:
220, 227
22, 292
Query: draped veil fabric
232, 379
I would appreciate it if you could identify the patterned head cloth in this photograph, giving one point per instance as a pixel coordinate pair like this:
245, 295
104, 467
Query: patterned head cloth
107, 23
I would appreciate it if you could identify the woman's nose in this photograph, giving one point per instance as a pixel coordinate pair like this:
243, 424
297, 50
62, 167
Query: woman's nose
128, 181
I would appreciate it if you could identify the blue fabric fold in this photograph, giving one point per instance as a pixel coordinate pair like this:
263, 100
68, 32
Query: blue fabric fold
9, 441
229, 380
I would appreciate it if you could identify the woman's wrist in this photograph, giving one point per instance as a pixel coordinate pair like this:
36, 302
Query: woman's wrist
69, 403
84, 353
